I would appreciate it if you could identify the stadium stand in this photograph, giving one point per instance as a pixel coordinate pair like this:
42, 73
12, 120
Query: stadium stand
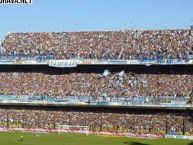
118, 84
155, 87
138, 123
131, 44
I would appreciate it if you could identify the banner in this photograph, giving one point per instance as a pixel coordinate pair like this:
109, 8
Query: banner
179, 136
75, 62
6, 62
63, 63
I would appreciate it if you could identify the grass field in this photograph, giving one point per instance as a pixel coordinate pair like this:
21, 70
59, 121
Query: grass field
77, 139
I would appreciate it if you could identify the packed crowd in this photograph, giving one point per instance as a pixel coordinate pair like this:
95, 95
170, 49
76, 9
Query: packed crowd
99, 121
130, 44
116, 84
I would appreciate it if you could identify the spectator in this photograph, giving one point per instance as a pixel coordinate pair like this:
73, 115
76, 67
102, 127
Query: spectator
150, 44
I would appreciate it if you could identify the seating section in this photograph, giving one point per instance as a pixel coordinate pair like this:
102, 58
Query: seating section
115, 84
154, 123
131, 44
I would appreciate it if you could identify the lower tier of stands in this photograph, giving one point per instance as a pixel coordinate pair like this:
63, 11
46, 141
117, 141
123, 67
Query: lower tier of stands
160, 122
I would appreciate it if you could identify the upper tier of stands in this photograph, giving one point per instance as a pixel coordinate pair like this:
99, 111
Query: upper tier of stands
130, 44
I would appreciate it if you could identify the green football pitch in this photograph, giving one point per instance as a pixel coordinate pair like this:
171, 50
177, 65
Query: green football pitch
78, 139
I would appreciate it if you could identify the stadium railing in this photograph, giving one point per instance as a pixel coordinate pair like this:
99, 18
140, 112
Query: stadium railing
105, 101
38, 58
49, 60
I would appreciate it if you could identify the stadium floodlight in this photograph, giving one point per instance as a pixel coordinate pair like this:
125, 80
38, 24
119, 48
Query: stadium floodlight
73, 129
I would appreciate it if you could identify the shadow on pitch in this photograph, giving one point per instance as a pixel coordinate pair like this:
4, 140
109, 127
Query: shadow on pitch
190, 143
137, 143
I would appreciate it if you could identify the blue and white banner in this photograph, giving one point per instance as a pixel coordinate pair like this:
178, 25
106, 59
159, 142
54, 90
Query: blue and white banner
179, 136
74, 62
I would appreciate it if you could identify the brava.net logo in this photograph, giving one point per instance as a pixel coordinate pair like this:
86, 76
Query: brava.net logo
15, 1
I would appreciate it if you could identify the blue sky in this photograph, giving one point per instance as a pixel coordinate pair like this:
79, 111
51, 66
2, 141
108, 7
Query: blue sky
93, 15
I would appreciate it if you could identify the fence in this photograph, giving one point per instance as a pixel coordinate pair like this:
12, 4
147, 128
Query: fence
163, 101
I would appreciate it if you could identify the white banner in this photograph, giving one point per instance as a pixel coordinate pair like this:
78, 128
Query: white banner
63, 63
179, 136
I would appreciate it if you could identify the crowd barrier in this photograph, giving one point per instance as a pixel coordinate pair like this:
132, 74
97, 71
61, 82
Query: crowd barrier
179, 136
88, 100
50, 61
